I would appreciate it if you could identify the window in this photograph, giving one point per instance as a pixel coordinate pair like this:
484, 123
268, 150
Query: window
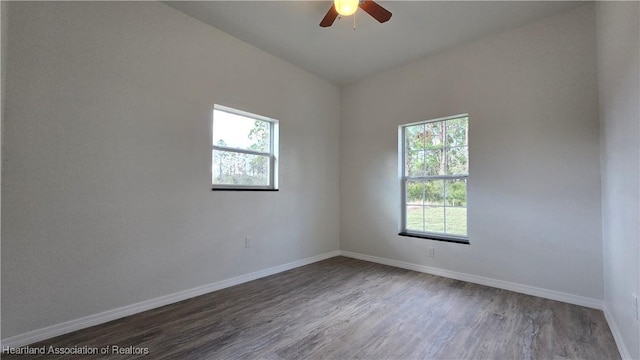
244, 151
435, 172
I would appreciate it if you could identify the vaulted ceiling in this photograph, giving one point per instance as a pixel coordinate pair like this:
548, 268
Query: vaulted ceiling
290, 30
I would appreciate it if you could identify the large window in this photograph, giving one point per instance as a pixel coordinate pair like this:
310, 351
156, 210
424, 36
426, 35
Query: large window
244, 151
435, 173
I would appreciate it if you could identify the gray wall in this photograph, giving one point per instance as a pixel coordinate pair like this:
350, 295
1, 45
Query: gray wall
534, 188
106, 192
4, 40
619, 87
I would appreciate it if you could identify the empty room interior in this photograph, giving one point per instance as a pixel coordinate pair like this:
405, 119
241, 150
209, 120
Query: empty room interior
320, 179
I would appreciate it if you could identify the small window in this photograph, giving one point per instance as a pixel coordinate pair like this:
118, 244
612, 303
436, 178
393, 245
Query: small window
244, 151
434, 174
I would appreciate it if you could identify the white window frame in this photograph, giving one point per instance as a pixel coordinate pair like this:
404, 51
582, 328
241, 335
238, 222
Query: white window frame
272, 153
404, 179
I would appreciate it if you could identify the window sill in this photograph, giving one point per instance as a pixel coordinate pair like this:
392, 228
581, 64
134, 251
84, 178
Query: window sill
241, 189
435, 237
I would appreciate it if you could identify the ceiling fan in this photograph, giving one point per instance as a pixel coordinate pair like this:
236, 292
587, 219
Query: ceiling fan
348, 7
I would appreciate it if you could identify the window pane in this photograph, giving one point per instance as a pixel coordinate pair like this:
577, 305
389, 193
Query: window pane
240, 132
456, 192
232, 168
434, 219
414, 137
415, 218
415, 165
457, 132
434, 162
434, 192
434, 213
415, 193
456, 220
457, 161
434, 135
456, 211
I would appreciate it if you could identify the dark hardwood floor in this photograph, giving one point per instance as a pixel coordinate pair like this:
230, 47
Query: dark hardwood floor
349, 309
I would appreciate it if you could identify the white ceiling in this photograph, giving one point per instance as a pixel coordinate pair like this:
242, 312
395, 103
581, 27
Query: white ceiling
290, 30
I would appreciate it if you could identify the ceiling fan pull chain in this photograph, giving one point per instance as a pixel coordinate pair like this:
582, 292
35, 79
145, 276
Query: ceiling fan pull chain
354, 22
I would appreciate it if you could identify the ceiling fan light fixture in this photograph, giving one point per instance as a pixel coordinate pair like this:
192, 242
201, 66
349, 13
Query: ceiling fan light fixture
349, 7
346, 7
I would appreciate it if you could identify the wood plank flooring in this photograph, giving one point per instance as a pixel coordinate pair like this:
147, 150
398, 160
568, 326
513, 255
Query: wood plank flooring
343, 308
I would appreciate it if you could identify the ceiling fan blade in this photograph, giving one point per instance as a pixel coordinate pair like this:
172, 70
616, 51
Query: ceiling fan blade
376, 11
331, 16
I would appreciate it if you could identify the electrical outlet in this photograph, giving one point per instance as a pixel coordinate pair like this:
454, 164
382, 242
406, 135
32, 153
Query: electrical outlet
431, 252
247, 242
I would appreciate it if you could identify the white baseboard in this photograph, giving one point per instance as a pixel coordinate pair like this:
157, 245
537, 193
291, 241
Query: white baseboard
103, 317
617, 335
500, 284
